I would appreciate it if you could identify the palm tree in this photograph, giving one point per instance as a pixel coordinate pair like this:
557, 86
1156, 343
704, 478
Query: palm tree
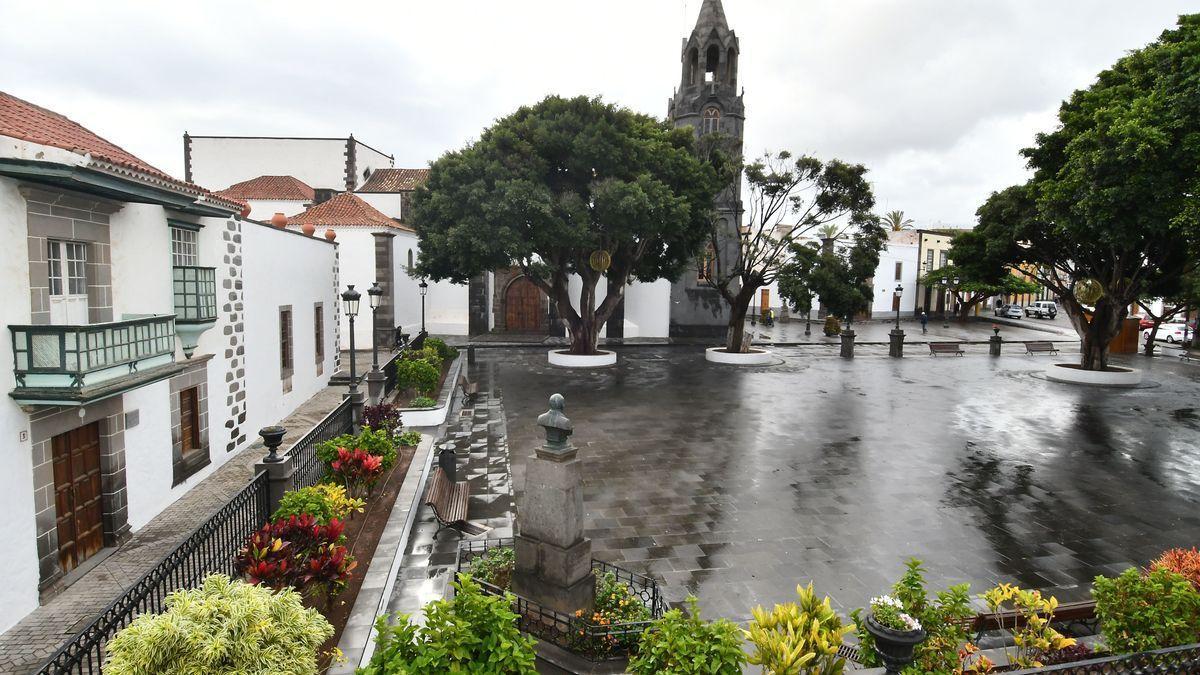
829, 231
895, 221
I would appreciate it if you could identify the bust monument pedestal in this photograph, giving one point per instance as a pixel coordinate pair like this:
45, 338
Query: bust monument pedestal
554, 559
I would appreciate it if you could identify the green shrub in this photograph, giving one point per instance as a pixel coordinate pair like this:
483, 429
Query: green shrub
470, 633
832, 325
445, 351
1141, 612
495, 566
942, 619
686, 645
417, 374
422, 402
378, 442
410, 438
323, 501
223, 627
799, 637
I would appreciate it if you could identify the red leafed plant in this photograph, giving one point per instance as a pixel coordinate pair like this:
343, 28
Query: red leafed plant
357, 469
297, 552
1181, 561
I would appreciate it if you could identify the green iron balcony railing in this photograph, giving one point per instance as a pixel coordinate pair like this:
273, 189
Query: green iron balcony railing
71, 365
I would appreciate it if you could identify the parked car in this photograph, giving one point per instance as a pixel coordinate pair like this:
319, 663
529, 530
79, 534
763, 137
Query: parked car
1011, 312
1043, 309
1145, 322
1168, 332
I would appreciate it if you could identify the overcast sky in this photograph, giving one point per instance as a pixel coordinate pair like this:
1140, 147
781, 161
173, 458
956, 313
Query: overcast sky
935, 97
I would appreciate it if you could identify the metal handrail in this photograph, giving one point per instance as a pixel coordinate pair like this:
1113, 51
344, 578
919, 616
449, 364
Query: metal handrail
308, 468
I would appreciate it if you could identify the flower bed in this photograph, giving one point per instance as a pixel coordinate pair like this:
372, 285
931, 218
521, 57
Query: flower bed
605, 635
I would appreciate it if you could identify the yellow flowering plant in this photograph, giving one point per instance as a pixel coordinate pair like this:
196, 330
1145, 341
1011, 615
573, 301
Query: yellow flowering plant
1036, 637
798, 638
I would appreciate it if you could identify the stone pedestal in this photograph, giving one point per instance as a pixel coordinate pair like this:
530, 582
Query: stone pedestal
994, 343
847, 344
554, 559
375, 380
896, 343
279, 479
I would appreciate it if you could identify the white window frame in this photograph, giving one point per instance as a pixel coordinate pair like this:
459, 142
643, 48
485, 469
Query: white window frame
185, 248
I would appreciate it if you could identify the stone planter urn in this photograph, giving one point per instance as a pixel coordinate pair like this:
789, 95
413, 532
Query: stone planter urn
279, 220
308, 229
895, 647
330, 235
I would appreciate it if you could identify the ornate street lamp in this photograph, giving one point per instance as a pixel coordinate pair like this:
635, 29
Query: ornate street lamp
350, 299
424, 289
899, 294
896, 337
375, 378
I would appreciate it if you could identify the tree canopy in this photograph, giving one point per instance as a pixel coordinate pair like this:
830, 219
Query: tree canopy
1113, 198
981, 268
838, 276
553, 183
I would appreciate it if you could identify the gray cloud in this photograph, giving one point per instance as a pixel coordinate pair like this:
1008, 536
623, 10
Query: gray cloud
936, 97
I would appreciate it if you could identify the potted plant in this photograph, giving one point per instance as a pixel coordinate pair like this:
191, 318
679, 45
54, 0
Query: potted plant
896, 633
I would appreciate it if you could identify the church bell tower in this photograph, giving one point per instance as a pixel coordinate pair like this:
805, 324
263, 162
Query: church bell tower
707, 99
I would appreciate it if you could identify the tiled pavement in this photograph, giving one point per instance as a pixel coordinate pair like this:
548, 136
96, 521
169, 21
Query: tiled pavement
735, 484
479, 438
26, 645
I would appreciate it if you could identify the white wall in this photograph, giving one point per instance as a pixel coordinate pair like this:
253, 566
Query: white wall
263, 209
357, 247
366, 157
885, 280
648, 309
447, 311
19, 562
218, 163
388, 203
148, 453
284, 268
141, 261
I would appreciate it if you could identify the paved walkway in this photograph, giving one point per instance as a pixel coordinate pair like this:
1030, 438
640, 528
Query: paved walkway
26, 645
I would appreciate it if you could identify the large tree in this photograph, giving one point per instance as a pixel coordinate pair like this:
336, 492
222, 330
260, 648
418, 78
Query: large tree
981, 270
840, 276
568, 187
1115, 195
789, 197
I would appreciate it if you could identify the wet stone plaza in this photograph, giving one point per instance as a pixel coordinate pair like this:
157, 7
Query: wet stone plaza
735, 484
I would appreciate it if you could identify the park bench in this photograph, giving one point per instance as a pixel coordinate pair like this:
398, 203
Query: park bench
445, 496
936, 348
469, 388
1040, 346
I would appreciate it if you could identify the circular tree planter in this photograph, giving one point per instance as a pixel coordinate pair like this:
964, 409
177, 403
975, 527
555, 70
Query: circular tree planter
565, 359
1113, 376
754, 357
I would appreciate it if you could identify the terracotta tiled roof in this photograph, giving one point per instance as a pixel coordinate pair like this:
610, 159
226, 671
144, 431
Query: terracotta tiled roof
270, 187
26, 121
395, 180
345, 210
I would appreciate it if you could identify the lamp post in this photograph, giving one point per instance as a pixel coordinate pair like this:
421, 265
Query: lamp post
896, 337
424, 289
350, 299
375, 378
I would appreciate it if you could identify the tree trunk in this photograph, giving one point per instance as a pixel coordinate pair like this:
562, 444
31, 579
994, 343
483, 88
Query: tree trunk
585, 334
1150, 344
737, 324
1098, 333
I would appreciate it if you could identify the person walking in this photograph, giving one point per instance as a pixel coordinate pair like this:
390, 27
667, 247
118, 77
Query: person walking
924, 322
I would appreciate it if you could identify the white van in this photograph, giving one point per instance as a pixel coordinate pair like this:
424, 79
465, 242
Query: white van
1043, 309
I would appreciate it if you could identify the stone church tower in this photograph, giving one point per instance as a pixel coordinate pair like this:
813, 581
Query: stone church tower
708, 100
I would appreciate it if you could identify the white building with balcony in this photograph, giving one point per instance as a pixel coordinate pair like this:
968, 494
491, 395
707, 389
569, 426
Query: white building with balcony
151, 331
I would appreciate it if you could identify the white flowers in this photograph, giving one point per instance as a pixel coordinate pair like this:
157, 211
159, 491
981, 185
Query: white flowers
890, 612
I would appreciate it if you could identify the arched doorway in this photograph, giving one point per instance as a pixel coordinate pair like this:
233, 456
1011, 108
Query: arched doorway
524, 309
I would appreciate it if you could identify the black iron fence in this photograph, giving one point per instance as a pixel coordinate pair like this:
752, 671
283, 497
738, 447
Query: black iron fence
576, 634
389, 374
303, 453
209, 549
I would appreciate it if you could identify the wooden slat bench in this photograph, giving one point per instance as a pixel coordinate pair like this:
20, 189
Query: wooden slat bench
469, 388
1040, 347
447, 498
936, 348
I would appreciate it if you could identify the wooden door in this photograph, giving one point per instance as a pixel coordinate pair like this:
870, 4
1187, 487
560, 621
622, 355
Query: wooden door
189, 420
764, 300
523, 308
77, 497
